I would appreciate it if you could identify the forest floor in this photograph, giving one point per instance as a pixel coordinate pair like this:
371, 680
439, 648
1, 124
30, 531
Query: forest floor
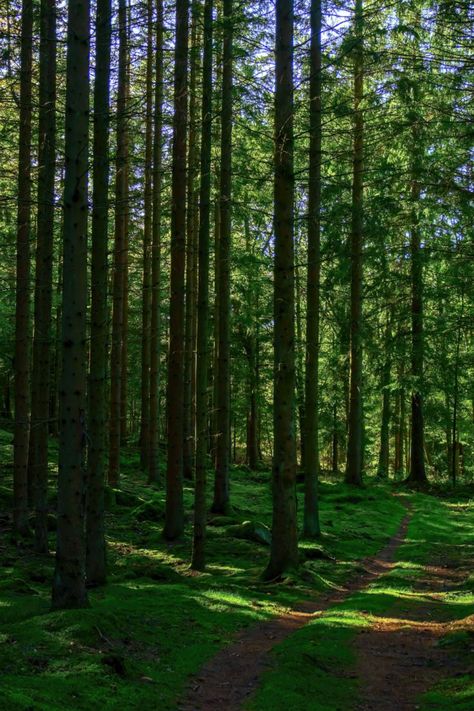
363, 612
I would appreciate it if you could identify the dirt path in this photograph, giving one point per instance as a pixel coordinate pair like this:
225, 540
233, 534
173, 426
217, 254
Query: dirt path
399, 657
228, 679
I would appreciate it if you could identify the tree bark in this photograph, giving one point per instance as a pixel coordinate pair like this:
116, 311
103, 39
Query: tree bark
155, 326
417, 460
198, 559
355, 432
174, 517
189, 434
284, 547
147, 238
41, 371
69, 576
120, 248
311, 526
220, 503
384, 449
22, 310
95, 524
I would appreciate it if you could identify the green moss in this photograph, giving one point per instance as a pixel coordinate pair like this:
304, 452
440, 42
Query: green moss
156, 622
313, 670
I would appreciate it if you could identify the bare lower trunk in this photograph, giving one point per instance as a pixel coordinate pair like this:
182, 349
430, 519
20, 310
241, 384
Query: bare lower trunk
202, 412
155, 326
174, 520
95, 514
284, 547
120, 247
220, 503
22, 312
69, 576
41, 373
311, 526
355, 431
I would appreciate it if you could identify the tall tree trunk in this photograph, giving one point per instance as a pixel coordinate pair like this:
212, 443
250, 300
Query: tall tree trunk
174, 518
455, 452
311, 526
22, 312
300, 377
155, 326
202, 412
220, 503
191, 257
120, 248
384, 449
95, 533
335, 441
41, 372
284, 547
69, 576
147, 238
355, 433
417, 461
214, 432
251, 350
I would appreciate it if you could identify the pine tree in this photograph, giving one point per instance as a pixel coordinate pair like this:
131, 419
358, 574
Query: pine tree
202, 397
69, 576
220, 503
22, 313
284, 548
354, 462
40, 377
97, 416
174, 520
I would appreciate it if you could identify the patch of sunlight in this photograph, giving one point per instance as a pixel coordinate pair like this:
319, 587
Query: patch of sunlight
224, 569
4, 603
328, 583
342, 618
458, 598
396, 592
407, 565
221, 601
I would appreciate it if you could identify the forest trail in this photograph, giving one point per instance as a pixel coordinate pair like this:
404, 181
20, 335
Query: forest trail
402, 652
228, 679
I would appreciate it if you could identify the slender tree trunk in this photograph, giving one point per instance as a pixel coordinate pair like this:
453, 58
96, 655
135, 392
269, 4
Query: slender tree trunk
120, 248
300, 378
251, 349
155, 328
221, 482
455, 452
95, 526
41, 371
311, 525
69, 576
355, 433
335, 442
147, 238
174, 520
384, 449
191, 257
417, 462
202, 413
214, 431
22, 312
284, 547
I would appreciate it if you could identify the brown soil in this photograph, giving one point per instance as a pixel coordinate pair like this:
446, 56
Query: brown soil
226, 681
398, 657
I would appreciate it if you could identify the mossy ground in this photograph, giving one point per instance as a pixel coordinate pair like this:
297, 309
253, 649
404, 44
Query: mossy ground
156, 622
314, 669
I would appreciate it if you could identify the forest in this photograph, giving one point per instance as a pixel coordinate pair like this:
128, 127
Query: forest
236, 355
